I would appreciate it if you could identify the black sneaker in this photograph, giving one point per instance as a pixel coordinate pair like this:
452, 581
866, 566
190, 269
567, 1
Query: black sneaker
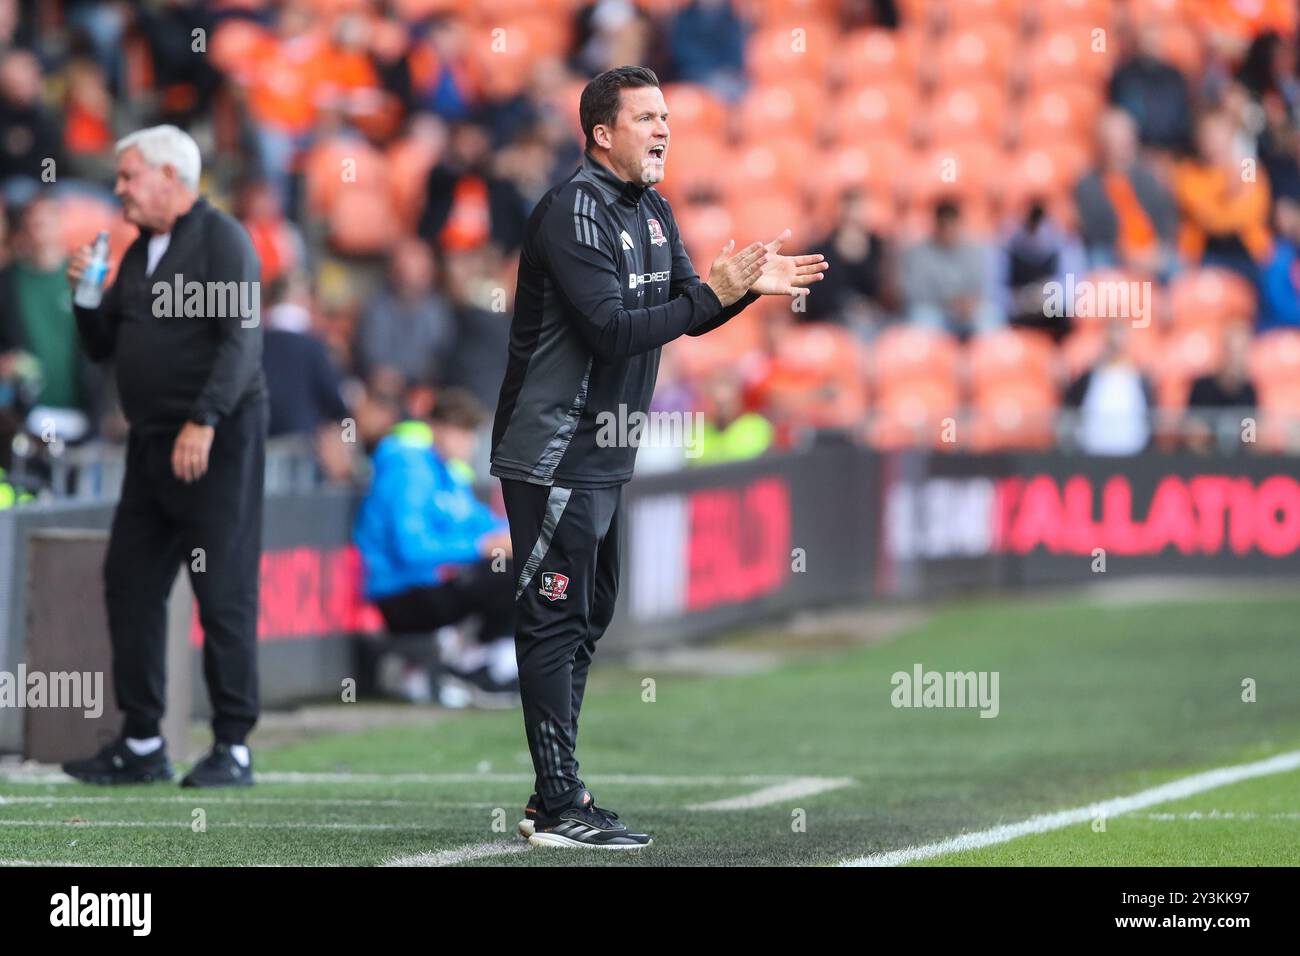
529, 822
586, 826
219, 769
117, 763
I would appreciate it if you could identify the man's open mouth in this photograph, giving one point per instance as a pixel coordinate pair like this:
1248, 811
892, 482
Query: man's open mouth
658, 152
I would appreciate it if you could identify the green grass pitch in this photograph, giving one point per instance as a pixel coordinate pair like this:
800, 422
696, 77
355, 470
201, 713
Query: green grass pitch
805, 762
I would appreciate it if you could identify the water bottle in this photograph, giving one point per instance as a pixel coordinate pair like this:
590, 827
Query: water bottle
90, 290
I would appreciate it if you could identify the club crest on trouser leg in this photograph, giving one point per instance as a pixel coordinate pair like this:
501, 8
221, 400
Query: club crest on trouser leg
553, 586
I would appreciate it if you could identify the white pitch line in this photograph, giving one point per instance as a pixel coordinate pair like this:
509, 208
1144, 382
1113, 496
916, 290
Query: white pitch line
257, 801
1117, 806
464, 854
1214, 815
629, 779
218, 825
779, 793
615, 779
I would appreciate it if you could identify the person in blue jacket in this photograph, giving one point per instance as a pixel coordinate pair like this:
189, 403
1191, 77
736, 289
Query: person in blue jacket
434, 554
1280, 282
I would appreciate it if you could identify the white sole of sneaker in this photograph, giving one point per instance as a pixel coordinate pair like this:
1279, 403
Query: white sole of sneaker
555, 840
526, 828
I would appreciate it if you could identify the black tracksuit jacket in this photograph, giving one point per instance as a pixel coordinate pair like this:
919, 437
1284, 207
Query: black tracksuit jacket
604, 282
174, 369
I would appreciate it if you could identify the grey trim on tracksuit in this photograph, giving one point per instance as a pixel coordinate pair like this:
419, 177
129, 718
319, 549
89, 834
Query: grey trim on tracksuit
556, 500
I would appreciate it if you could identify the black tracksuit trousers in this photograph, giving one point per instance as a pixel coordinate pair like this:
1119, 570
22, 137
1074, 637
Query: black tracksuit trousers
566, 545
159, 523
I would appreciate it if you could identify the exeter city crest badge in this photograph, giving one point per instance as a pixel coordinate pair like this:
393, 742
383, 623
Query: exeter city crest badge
553, 586
656, 232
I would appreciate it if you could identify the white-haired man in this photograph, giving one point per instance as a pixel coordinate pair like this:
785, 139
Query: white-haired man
180, 323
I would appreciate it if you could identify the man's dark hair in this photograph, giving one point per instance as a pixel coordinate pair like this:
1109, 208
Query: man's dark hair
600, 97
458, 408
947, 210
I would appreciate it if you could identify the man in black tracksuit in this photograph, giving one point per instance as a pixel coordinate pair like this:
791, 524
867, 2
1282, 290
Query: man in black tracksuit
604, 282
181, 324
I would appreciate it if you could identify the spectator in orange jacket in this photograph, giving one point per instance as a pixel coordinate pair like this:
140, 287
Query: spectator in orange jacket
1224, 199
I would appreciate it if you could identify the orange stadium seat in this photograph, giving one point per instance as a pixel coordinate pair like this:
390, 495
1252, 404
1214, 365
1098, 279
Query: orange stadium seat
1159, 11
1275, 358
1087, 13
1043, 171
912, 415
1063, 112
966, 169
493, 11
1279, 424
921, 15
792, 108
975, 111
415, 10
768, 165
980, 54
785, 10
339, 165
1067, 51
361, 219
696, 164
1189, 353
1011, 355
1208, 295
875, 168
822, 347
331, 8
816, 376
872, 110
763, 218
902, 354
238, 46
1014, 415
876, 165
505, 50
873, 55
705, 229
963, 14
698, 356
693, 110
799, 48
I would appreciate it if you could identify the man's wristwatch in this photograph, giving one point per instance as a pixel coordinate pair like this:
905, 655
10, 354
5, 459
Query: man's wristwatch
205, 418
